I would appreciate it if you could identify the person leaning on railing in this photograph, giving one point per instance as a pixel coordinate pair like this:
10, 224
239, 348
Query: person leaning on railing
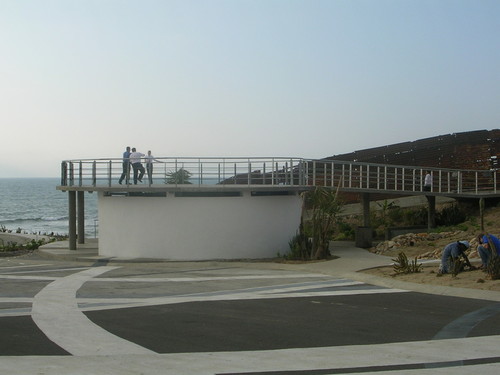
489, 247
149, 165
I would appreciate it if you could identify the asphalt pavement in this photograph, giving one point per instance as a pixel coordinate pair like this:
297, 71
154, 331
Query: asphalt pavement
74, 312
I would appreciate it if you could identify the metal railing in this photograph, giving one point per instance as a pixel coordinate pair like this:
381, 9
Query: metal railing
184, 171
397, 178
345, 175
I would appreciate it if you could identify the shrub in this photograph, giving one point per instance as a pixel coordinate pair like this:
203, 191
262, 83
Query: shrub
403, 266
300, 247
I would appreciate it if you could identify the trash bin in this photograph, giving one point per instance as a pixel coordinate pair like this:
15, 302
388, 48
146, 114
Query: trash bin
364, 237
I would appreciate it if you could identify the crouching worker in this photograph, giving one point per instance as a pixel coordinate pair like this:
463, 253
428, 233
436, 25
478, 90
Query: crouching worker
451, 253
489, 247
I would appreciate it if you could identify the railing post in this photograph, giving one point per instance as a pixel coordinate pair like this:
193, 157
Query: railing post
94, 173
80, 174
314, 173
342, 175
110, 169
200, 172
291, 172
249, 179
350, 175
367, 176
64, 173
361, 176
385, 177
476, 181
333, 174
71, 174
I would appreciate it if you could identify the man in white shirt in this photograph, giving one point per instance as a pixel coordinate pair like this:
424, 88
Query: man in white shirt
135, 160
149, 166
428, 182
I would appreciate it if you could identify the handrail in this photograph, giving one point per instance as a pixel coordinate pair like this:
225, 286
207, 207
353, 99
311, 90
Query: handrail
278, 171
187, 170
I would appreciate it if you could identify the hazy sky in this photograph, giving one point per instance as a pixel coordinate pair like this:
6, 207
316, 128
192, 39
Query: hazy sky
85, 78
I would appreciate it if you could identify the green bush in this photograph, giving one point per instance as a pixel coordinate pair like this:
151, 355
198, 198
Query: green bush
31, 245
300, 248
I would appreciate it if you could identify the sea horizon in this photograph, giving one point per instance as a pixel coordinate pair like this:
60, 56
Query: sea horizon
33, 205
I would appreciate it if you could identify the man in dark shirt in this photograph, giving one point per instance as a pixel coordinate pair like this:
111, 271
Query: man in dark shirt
126, 167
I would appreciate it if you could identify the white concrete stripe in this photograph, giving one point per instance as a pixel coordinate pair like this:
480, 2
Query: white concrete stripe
24, 266
298, 359
56, 313
96, 304
49, 270
22, 277
206, 278
16, 300
164, 279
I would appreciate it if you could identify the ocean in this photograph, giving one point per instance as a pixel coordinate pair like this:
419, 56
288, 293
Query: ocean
33, 205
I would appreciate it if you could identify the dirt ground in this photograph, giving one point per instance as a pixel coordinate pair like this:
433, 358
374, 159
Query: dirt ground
476, 279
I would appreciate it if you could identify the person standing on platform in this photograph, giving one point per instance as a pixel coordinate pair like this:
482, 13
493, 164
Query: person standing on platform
428, 182
135, 160
149, 166
126, 167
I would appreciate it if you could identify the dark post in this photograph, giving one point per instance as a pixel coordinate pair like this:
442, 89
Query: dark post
72, 219
364, 234
431, 212
366, 209
81, 217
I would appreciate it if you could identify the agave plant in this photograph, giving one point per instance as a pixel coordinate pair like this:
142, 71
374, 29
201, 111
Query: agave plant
178, 177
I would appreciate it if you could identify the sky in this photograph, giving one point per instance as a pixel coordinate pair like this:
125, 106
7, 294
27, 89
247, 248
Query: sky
283, 78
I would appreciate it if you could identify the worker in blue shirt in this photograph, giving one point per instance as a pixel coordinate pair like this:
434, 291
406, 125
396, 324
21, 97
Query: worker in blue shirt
451, 253
489, 247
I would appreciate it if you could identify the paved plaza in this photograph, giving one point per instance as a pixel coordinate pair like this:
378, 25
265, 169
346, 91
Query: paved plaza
76, 313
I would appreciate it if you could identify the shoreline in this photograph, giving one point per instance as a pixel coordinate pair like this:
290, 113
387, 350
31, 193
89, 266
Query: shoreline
21, 238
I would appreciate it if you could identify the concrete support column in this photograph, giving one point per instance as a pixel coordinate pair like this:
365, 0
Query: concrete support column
81, 217
72, 219
366, 209
431, 212
364, 234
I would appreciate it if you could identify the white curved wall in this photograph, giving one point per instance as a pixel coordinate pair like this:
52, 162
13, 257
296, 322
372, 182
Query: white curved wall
197, 228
